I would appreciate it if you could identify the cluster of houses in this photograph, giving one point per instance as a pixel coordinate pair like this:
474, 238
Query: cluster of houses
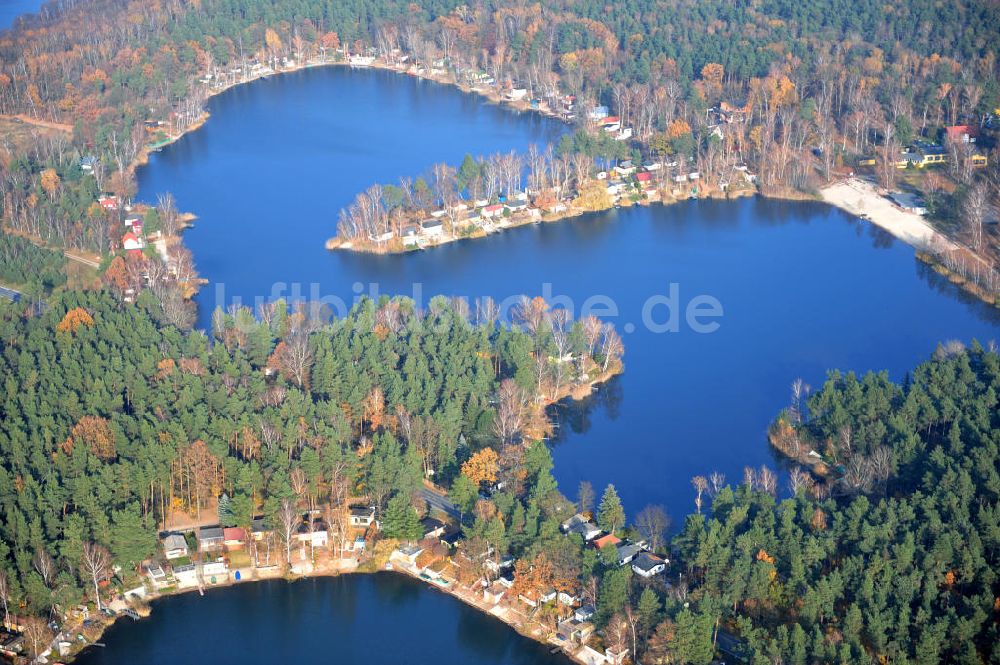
648, 179
601, 117
216, 555
623, 181
644, 563
133, 241
575, 628
483, 215
927, 153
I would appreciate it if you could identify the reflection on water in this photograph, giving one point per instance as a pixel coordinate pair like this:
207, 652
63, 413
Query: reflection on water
573, 416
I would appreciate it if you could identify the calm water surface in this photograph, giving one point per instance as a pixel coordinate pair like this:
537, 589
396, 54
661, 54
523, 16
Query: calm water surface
11, 9
383, 619
804, 287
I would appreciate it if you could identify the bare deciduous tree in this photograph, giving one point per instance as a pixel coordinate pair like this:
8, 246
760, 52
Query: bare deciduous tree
716, 482
767, 481
974, 211
510, 411
700, 485
653, 522
585, 496
166, 207
798, 479
5, 595
37, 635
611, 348
96, 563
45, 565
288, 521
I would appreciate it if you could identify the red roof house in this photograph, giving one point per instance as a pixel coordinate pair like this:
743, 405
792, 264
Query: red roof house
604, 541
132, 244
233, 537
645, 176
962, 133
492, 210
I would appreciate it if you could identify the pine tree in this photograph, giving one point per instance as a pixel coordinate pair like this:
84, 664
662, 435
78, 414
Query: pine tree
400, 519
611, 514
463, 493
226, 511
649, 608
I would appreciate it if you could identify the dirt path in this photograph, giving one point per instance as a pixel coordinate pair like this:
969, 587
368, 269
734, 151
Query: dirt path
38, 122
81, 259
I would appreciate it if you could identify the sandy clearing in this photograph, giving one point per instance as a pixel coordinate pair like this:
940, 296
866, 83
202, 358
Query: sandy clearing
861, 198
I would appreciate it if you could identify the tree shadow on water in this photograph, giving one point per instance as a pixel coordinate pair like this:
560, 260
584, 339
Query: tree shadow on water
574, 416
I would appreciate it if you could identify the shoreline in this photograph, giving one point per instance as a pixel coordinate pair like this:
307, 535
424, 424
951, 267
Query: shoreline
378, 563
867, 203
571, 212
443, 79
388, 566
860, 198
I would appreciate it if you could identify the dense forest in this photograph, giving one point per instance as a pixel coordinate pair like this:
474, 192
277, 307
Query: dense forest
111, 416
27, 265
895, 560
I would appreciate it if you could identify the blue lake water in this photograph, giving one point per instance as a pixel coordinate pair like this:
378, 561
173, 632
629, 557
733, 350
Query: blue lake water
803, 287
11, 9
383, 619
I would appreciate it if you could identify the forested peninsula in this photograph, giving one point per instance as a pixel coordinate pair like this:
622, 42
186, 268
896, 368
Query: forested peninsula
139, 457
114, 421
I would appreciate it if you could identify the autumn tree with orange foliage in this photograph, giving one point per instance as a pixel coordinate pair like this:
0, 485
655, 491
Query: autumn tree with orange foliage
198, 475
50, 182
532, 578
94, 432
678, 128
482, 467
75, 318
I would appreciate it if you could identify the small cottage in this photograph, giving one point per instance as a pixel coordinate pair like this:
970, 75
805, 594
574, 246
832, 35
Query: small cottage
210, 538
186, 575
362, 516
234, 538
647, 565
432, 228
174, 546
627, 552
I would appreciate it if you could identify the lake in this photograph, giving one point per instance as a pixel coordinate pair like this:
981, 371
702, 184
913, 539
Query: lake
11, 9
803, 287
320, 620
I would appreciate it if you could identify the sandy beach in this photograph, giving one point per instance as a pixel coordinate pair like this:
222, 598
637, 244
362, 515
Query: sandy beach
859, 197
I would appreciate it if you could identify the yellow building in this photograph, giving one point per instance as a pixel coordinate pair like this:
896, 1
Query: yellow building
924, 154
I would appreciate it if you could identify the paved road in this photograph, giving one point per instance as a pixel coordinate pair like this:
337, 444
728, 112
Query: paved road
438, 502
732, 646
16, 296
10, 294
